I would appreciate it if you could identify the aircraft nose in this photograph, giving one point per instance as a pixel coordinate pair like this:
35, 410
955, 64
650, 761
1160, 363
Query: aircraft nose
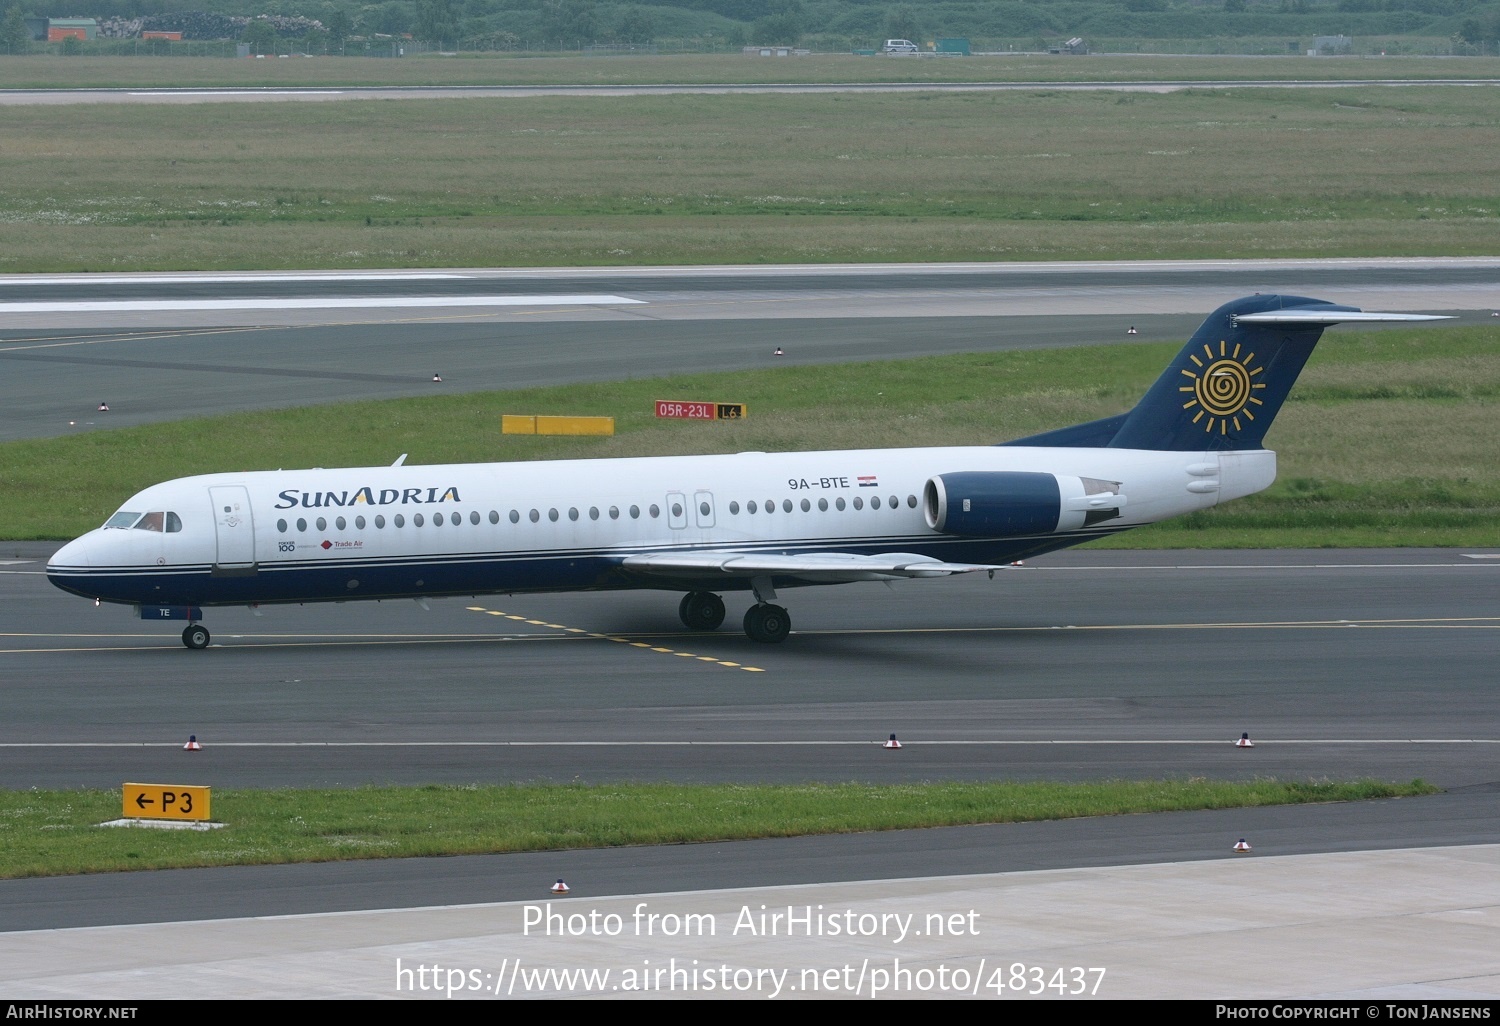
72, 556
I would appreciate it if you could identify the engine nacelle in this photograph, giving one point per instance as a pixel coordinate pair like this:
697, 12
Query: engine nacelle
1004, 503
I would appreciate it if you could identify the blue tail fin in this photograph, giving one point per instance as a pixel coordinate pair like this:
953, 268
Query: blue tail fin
1225, 387
1229, 381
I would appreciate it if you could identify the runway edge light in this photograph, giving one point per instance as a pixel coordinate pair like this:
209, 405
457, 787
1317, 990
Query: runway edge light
1242, 845
560, 887
192, 744
892, 743
1244, 741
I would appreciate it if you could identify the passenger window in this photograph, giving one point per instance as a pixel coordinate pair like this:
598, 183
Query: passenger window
655, 511
859, 503
302, 523
494, 517
635, 512
786, 505
614, 512
806, 505
593, 512
152, 522
359, 522
573, 513
380, 522
751, 507
399, 521
474, 518
535, 516
911, 500
823, 505
552, 514
734, 507
874, 502
341, 523
322, 524
281, 526
839, 502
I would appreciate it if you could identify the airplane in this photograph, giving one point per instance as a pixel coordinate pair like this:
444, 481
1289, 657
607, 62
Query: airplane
702, 525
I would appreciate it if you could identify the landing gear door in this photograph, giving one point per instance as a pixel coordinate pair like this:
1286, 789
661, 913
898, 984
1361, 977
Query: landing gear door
234, 528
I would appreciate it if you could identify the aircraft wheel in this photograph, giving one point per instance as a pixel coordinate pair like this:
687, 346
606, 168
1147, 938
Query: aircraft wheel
765, 622
701, 611
195, 636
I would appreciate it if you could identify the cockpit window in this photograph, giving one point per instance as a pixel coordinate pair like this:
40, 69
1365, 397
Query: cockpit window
174, 523
122, 520
152, 522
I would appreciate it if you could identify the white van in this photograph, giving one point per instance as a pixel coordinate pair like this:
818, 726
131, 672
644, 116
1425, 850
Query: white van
900, 46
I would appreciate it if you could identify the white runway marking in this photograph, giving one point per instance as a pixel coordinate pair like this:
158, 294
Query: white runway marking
310, 303
244, 92
876, 742
249, 277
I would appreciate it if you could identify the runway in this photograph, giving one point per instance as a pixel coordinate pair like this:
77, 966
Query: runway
1050, 671
256, 341
323, 94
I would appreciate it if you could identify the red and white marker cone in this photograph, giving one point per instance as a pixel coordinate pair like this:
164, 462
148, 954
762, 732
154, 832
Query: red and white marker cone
192, 744
560, 887
1244, 742
892, 743
1242, 845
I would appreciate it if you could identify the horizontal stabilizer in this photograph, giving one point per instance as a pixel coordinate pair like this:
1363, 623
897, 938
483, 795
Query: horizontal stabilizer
822, 567
1335, 316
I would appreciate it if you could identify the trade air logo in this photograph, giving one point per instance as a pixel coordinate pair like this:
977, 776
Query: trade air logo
294, 497
1223, 388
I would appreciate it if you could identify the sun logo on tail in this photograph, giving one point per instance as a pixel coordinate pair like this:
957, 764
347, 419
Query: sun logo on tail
1223, 388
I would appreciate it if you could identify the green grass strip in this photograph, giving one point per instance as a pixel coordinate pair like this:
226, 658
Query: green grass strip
46, 833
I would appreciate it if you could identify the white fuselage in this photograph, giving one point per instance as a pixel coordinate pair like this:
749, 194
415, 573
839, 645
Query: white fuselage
374, 532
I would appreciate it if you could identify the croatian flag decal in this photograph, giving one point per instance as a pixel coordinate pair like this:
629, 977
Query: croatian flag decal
868, 481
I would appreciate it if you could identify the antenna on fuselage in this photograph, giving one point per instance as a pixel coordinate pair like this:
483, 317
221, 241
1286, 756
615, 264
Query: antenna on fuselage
399, 460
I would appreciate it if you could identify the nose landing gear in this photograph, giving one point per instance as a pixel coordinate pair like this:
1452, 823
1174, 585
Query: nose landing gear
195, 635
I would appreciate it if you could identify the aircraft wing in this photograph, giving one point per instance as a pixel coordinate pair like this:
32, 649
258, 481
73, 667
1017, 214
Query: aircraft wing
816, 567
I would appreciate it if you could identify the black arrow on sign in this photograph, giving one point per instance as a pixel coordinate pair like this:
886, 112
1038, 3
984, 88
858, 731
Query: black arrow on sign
141, 801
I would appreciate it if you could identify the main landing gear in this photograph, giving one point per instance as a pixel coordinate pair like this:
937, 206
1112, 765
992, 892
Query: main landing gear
764, 621
701, 611
195, 635
767, 622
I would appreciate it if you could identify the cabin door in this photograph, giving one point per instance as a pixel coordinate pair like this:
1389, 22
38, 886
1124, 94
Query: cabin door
234, 528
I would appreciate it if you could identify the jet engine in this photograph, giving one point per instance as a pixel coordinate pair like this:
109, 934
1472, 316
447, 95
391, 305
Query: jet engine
1008, 502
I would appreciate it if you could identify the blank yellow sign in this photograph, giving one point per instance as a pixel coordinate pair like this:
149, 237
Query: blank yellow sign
166, 801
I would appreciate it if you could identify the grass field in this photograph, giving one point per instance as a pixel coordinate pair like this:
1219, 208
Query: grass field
1041, 174
1388, 437
44, 833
